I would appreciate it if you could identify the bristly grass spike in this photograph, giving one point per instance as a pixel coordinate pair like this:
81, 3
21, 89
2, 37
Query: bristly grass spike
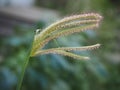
66, 26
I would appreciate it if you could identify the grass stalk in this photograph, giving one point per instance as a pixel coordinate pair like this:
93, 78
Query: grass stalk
25, 63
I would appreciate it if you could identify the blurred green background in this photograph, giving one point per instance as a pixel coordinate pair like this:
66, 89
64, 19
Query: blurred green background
20, 18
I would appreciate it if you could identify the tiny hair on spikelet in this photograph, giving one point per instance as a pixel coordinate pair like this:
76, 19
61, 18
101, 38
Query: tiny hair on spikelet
64, 27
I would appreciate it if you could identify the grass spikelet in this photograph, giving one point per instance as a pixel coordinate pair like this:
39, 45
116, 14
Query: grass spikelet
64, 27
61, 52
75, 18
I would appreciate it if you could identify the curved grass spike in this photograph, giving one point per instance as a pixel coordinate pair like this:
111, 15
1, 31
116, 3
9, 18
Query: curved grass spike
62, 52
66, 26
75, 18
53, 26
92, 47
